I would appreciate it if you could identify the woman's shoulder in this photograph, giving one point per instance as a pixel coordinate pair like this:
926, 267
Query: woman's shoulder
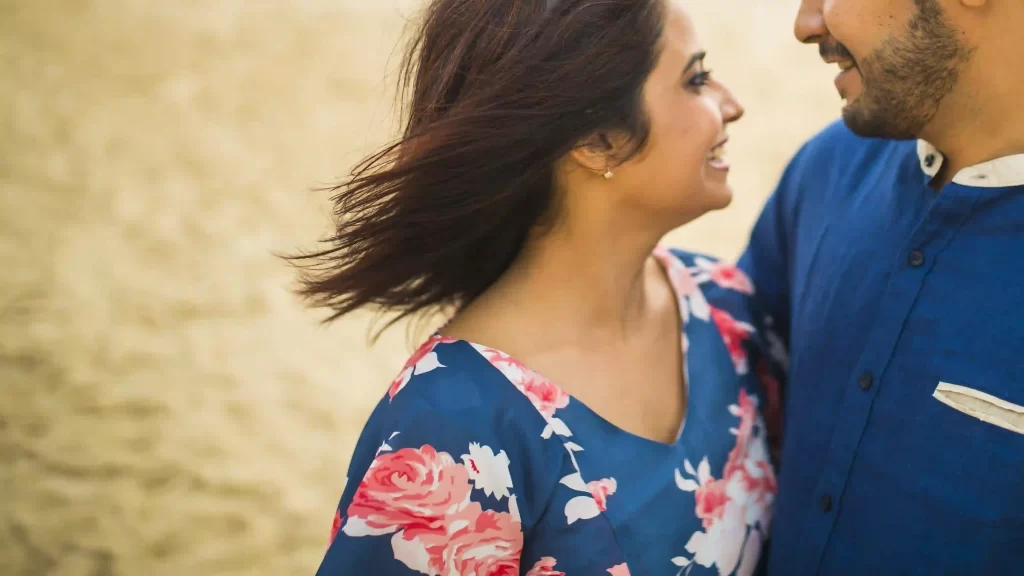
722, 285
456, 405
721, 294
450, 472
475, 385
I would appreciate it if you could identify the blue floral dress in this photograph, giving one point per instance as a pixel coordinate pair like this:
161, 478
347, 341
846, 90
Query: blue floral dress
475, 465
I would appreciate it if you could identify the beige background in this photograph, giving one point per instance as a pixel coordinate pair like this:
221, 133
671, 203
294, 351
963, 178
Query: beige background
166, 407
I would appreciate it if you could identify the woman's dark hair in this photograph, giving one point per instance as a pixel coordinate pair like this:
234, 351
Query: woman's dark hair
500, 90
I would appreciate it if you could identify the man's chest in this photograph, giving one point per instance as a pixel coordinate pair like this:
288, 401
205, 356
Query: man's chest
905, 396
932, 288
908, 363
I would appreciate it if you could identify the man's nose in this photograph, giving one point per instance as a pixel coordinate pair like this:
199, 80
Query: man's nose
810, 22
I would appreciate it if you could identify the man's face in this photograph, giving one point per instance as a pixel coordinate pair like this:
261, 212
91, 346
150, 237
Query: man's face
899, 60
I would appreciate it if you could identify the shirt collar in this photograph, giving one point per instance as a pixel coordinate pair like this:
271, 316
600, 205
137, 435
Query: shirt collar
999, 173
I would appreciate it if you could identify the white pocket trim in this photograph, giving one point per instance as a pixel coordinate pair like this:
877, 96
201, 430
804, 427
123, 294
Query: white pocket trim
984, 407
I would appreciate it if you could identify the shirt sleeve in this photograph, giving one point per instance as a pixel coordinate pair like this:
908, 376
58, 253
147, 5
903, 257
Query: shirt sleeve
767, 259
438, 490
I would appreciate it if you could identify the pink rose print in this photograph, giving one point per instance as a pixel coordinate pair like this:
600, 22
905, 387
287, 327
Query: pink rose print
678, 274
691, 299
497, 357
411, 490
601, 490
422, 498
545, 567
725, 275
734, 334
336, 525
711, 500
735, 510
422, 361
773, 404
620, 570
485, 543
748, 460
545, 396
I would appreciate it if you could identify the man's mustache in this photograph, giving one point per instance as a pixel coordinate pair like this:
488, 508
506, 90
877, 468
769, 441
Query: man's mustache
833, 50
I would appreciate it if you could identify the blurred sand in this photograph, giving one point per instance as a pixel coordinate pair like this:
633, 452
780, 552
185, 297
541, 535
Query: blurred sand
166, 407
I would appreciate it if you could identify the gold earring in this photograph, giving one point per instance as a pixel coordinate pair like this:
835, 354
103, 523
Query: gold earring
608, 174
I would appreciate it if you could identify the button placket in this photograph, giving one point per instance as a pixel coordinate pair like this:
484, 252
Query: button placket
916, 258
932, 234
913, 262
825, 503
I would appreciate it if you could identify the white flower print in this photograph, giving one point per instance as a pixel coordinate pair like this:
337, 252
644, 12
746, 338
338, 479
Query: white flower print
384, 446
776, 348
691, 298
580, 507
734, 334
545, 396
587, 507
735, 510
422, 361
548, 398
572, 448
513, 508
725, 275
488, 471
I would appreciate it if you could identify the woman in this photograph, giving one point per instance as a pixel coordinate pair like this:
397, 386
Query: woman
592, 405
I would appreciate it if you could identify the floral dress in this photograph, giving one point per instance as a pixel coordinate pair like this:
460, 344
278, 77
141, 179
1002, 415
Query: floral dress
473, 464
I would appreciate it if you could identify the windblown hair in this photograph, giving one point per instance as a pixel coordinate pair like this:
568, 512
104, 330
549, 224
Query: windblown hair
500, 91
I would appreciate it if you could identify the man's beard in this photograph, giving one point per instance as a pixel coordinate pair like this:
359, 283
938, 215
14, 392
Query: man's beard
906, 79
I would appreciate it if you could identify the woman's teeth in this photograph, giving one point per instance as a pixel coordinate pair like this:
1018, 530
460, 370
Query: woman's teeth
717, 158
846, 65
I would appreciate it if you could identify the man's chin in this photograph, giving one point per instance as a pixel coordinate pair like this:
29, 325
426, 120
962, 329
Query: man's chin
866, 124
860, 124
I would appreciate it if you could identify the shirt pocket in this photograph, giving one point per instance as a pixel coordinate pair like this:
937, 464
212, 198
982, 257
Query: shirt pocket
982, 406
959, 451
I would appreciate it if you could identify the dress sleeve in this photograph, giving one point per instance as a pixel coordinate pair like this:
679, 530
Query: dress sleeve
440, 485
428, 500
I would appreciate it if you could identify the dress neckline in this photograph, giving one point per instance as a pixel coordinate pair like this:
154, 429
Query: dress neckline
682, 283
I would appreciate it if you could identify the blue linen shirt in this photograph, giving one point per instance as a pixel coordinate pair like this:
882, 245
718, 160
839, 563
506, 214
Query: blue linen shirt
903, 312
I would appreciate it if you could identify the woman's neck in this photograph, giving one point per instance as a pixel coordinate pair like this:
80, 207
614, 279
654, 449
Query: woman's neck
573, 282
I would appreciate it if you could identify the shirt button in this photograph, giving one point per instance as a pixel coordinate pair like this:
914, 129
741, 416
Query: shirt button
916, 259
825, 503
865, 381
929, 160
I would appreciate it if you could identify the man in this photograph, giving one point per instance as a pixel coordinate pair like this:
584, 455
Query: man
891, 261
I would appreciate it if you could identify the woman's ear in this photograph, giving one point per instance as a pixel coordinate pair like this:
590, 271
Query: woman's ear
599, 152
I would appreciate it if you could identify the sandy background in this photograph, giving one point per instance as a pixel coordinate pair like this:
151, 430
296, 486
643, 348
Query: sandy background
166, 407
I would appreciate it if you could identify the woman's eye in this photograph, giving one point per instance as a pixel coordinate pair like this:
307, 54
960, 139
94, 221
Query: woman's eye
700, 78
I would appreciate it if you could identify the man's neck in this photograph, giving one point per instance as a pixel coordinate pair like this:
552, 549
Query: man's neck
975, 144
982, 121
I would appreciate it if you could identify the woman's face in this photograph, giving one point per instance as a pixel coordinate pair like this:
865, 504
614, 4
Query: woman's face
682, 171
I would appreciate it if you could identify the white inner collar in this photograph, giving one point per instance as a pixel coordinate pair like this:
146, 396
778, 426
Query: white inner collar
999, 173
